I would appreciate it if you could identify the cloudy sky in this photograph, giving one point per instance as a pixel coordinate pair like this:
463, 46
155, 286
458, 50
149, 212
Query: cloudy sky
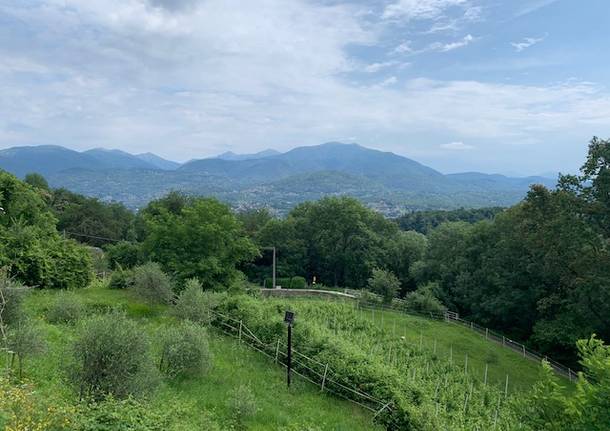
490, 85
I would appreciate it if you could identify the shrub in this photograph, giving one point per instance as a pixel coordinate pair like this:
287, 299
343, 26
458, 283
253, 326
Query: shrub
121, 279
11, 299
123, 254
423, 300
110, 356
25, 340
287, 282
242, 403
384, 283
66, 308
184, 351
130, 414
298, 283
152, 284
193, 304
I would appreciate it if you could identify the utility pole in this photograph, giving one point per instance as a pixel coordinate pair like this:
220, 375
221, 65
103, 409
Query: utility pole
274, 276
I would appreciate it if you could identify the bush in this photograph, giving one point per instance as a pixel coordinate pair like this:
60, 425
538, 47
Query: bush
384, 283
152, 284
298, 282
130, 414
12, 293
193, 304
121, 279
242, 403
184, 351
66, 308
25, 340
123, 254
110, 356
423, 300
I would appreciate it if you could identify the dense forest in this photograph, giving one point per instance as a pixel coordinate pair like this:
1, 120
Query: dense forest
538, 271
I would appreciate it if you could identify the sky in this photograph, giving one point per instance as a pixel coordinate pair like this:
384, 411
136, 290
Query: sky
516, 87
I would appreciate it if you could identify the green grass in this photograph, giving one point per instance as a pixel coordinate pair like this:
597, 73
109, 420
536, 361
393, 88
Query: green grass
302, 407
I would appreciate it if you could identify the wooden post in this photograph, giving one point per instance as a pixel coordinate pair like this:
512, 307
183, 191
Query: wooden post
289, 355
324, 378
523, 350
506, 387
503, 341
277, 350
486, 333
485, 379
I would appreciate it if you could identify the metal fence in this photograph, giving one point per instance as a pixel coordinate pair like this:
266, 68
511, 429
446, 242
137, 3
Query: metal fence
310, 369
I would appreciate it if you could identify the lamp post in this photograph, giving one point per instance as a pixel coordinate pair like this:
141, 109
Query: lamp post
289, 319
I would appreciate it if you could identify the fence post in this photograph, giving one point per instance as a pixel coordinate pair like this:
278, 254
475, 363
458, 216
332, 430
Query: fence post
324, 378
570, 374
471, 325
506, 387
486, 333
485, 379
277, 350
503, 340
523, 350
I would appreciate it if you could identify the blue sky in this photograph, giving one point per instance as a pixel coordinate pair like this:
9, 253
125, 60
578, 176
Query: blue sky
515, 87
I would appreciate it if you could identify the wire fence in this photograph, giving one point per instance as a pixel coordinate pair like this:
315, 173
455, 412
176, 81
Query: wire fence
453, 317
312, 370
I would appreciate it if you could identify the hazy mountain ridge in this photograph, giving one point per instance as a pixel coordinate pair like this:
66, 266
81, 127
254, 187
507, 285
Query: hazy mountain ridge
383, 180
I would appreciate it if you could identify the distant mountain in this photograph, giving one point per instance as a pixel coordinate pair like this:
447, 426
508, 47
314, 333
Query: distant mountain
230, 155
382, 180
159, 162
117, 159
44, 159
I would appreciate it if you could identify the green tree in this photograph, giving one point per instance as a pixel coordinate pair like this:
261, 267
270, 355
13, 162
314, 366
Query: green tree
384, 283
201, 239
37, 181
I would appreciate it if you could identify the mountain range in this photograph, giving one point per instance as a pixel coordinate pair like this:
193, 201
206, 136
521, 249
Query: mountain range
383, 180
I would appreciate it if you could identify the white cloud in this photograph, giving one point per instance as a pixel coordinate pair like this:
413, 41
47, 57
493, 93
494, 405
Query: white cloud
526, 43
419, 9
456, 146
376, 67
445, 47
403, 48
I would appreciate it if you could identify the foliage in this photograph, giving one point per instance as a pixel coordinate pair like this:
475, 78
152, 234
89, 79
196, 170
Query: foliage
22, 408
30, 246
123, 255
37, 181
196, 238
425, 221
11, 299
184, 351
121, 279
129, 414
424, 300
193, 304
152, 284
65, 308
110, 355
89, 220
242, 403
384, 283
296, 282
25, 340
588, 409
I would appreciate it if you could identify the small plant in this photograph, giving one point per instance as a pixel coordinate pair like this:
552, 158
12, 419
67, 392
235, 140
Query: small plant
67, 308
193, 304
152, 284
25, 340
184, 351
242, 404
122, 414
110, 356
